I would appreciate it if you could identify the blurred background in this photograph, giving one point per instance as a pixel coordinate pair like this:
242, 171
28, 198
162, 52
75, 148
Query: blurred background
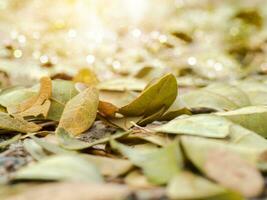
197, 40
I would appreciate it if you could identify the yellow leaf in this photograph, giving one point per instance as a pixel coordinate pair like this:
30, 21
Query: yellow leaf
86, 76
80, 112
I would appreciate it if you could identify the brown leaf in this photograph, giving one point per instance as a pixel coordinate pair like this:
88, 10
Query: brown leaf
231, 171
107, 109
38, 104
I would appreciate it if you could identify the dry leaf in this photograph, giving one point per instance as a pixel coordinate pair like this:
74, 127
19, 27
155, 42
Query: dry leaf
72, 191
80, 112
14, 124
36, 105
157, 95
231, 171
87, 76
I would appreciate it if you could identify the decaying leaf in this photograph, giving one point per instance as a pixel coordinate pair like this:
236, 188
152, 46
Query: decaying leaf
61, 167
159, 165
80, 112
19, 125
237, 175
107, 109
157, 95
35, 105
237, 163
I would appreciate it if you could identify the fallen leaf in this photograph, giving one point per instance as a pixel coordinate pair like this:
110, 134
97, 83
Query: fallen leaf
107, 109
237, 175
64, 191
80, 112
34, 149
207, 99
187, 185
252, 117
62, 92
14, 124
35, 105
87, 76
50, 147
61, 167
158, 165
13, 96
111, 167
122, 84
200, 125
157, 95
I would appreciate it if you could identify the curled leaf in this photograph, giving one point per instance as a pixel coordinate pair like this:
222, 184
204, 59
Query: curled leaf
157, 95
36, 105
14, 124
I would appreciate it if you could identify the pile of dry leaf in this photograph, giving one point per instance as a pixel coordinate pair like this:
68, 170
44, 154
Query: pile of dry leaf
178, 109
122, 139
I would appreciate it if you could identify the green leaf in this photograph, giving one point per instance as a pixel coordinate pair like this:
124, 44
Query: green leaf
252, 117
34, 149
232, 93
199, 125
80, 112
14, 124
159, 165
61, 167
50, 147
247, 138
15, 95
62, 92
207, 99
157, 95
